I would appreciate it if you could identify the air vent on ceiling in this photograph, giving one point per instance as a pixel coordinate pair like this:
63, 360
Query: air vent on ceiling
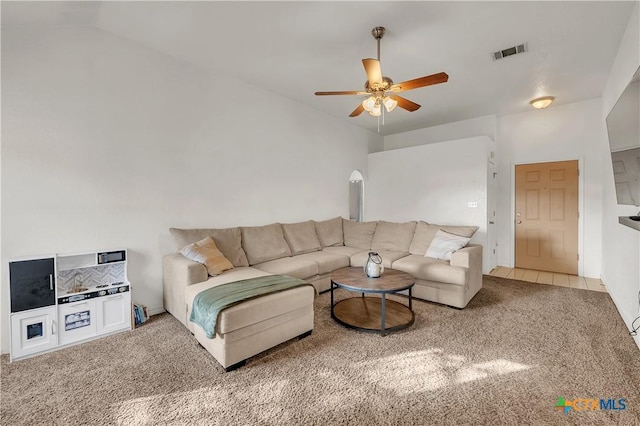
500, 54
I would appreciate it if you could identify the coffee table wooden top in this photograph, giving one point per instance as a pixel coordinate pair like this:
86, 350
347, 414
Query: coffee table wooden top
353, 278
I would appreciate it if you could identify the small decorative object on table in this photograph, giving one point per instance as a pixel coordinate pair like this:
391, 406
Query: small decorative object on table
373, 268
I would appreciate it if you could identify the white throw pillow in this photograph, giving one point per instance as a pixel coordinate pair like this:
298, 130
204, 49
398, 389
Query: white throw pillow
444, 244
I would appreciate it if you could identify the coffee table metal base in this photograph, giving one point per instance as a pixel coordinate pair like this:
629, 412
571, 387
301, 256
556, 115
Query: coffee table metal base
372, 314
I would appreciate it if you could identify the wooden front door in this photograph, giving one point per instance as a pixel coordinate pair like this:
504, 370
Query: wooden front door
547, 216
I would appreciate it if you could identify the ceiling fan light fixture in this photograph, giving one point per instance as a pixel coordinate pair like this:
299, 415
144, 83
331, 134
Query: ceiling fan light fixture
378, 86
369, 103
541, 103
389, 104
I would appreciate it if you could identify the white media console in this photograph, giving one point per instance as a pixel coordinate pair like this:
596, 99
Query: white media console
66, 299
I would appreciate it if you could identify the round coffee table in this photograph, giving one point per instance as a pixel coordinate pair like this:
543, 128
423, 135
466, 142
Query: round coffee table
372, 314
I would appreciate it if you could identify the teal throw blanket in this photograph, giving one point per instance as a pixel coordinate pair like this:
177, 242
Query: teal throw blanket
208, 304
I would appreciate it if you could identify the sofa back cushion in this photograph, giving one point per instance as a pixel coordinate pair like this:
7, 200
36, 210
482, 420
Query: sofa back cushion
301, 237
358, 234
426, 231
264, 243
228, 240
330, 232
393, 236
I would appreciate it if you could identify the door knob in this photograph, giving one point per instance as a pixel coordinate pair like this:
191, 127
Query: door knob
519, 222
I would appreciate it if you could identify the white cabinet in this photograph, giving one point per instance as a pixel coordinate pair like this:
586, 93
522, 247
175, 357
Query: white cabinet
113, 313
33, 331
76, 321
66, 299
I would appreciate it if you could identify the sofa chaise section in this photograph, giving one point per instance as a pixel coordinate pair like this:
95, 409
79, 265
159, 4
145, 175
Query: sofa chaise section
247, 328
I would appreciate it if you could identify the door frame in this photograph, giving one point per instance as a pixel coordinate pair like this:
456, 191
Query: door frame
512, 204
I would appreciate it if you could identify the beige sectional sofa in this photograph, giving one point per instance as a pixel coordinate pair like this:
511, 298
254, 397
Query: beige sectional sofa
310, 251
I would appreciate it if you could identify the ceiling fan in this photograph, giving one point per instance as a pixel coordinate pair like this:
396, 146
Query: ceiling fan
382, 90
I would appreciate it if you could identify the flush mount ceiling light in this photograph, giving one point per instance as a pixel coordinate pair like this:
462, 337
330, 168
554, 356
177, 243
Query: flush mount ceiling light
543, 102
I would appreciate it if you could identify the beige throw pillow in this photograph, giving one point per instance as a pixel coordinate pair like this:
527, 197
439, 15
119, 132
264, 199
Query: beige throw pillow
228, 240
206, 252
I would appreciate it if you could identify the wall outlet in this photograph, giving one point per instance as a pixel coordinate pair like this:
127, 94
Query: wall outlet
472, 204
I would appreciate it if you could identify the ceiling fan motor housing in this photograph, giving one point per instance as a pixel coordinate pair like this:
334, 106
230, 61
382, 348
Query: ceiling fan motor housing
386, 84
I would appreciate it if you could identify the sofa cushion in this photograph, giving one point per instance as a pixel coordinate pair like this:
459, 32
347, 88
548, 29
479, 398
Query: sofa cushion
326, 260
358, 234
228, 241
264, 243
393, 236
343, 250
330, 232
301, 237
293, 266
426, 231
428, 269
387, 256
207, 253
444, 244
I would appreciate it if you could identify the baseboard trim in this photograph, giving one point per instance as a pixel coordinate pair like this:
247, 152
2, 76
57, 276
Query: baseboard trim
627, 320
155, 311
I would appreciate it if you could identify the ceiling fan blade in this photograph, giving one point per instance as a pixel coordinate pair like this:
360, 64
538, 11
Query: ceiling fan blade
441, 77
405, 103
356, 112
348, 92
374, 72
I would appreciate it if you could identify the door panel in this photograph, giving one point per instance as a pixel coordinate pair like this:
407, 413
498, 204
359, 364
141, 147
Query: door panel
32, 284
547, 216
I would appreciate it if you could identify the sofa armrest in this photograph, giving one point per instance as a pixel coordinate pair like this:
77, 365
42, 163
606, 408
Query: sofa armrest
179, 269
468, 257
178, 272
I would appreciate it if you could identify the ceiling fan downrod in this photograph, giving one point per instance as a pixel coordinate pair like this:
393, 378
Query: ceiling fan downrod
378, 33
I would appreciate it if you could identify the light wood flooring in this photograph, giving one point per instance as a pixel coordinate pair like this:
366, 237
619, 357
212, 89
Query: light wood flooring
552, 278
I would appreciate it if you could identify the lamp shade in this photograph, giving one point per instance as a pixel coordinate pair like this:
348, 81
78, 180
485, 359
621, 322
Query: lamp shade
369, 103
376, 111
389, 104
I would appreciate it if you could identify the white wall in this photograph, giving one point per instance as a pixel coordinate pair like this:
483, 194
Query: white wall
621, 245
565, 132
479, 126
108, 144
433, 183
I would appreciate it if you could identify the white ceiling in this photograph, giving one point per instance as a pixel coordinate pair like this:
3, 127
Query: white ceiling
297, 48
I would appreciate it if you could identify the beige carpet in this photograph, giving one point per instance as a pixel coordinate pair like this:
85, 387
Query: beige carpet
505, 359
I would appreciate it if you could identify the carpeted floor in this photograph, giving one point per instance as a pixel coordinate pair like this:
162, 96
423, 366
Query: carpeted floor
505, 359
